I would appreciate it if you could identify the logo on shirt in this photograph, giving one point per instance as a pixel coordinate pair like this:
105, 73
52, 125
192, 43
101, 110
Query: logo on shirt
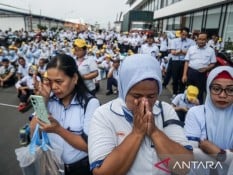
120, 133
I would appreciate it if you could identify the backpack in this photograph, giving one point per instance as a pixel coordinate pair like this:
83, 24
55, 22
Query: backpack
83, 135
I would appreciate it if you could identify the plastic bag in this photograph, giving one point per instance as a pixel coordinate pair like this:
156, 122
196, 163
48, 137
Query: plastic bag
39, 158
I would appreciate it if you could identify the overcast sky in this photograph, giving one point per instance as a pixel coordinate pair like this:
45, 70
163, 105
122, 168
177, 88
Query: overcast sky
91, 11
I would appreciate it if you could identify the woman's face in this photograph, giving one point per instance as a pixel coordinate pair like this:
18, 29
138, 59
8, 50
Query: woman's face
79, 52
61, 84
222, 100
146, 89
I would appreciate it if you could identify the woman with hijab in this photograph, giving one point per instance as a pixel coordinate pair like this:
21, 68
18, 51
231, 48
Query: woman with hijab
209, 126
127, 135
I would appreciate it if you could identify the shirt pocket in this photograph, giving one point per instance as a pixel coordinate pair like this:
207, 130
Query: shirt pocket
76, 126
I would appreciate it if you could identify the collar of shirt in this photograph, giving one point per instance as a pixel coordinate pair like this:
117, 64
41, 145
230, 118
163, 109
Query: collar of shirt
183, 39
201, 47
118, 107
74, 100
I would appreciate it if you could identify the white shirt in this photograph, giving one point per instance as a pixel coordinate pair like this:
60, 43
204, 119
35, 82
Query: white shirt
28, 80
23, 70
109, 128
163, 45
200, 57
5, 71
152, 50
87, 66
181, 101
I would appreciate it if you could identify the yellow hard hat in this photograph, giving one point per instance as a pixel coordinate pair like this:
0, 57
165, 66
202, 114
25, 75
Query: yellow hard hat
192, 92
80, 43
45, 74
108, 56
12, 47
130, 52
178, 33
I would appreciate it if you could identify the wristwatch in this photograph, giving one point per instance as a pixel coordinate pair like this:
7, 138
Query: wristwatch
221, 156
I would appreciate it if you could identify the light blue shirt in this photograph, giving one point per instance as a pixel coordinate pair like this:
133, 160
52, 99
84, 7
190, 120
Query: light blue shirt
73, 119
181, 101
178, 44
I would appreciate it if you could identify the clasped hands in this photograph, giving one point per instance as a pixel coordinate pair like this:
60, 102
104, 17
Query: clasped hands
143, 120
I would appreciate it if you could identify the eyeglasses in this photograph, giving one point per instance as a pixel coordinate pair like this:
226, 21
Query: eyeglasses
217, 89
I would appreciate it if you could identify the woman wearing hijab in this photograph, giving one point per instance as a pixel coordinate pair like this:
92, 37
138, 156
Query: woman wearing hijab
127, 136
209, 126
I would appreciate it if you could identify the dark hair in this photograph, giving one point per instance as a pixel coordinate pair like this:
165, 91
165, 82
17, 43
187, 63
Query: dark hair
6, 60
68, 65
202, 33
184, 29
21, 58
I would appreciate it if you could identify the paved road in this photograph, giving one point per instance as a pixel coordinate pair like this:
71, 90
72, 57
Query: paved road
12, 120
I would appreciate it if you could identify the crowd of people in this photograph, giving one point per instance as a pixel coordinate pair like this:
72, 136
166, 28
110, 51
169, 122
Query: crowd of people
132, 133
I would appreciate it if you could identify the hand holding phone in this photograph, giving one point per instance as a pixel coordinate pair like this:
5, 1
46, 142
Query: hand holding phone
40, 108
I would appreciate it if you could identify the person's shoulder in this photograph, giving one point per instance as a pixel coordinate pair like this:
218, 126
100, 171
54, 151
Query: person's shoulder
93, 100
197, 112
193, 47
209, 48
176, 40
11, 67
179, 96
113, 107
165, 106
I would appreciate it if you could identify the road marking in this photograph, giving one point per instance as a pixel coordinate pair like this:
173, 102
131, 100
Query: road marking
13, 106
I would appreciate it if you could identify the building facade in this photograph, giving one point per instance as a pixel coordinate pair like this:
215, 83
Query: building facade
211, 16
27, 21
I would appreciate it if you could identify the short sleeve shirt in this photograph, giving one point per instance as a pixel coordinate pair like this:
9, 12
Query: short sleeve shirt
109, 128
87, 66
178, 44
200, 57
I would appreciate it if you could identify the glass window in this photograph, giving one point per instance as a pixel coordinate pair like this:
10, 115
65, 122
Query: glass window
177, 23
213, 17
162, 2
152, 5
228, 33
156, 4
197, 21
185, 21
170, 23
169, 2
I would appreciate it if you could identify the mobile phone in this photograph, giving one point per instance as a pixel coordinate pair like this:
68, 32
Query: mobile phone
40, 108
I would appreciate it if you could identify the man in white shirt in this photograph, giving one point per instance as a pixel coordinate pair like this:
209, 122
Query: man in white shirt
113, 76
199, 60
150, 47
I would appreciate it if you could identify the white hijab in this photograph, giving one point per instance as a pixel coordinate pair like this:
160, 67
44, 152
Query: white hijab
219, 122
136, 68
